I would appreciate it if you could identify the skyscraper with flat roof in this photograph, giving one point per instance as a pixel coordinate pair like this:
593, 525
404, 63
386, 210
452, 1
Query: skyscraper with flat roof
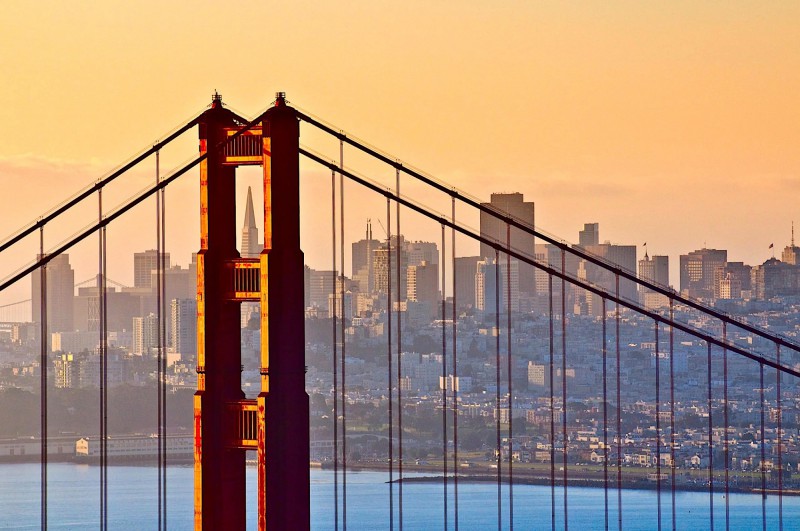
144, 264
654, 269
492, 228
60, 282
698, 269
590, 235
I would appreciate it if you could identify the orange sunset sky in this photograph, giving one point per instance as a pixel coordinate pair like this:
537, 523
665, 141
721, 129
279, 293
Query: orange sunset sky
672, 123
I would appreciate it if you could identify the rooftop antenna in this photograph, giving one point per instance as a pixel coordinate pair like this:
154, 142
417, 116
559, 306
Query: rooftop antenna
792, 233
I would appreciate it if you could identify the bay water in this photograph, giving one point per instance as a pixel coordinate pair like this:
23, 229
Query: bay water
73, 502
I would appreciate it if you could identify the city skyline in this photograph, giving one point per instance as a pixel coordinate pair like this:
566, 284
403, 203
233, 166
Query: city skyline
605, 125
587, 122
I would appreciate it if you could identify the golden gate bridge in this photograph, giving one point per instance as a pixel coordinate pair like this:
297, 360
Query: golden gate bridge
276, 423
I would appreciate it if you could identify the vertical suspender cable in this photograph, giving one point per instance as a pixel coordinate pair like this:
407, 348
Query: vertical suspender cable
159, 372
162, 260
102, 360
164, 266
399, 362
619, 409
455, 358
672, 409
552, 409
43, 379
335, 361
510, 387
497, 387
725, 422
104, 327
389, 358
444, 387
344, 386
658, 426
605, 415
780, 438
763, 452
710, 447
564, 380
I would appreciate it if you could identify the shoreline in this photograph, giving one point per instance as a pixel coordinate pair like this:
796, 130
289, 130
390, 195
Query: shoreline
579, 480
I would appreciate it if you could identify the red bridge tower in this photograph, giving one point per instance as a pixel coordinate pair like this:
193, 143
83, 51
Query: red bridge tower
225, 423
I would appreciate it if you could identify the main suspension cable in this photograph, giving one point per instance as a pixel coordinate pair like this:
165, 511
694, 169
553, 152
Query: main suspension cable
521, 225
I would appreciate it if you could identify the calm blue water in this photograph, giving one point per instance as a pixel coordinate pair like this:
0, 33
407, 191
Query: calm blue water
74, 503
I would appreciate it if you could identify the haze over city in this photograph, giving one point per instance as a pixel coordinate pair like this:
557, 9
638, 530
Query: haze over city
672, 124
657, 140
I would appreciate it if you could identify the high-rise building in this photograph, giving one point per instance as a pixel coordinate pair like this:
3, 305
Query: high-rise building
732, 280
492, 286
623, 256
251, 245
121, 308
536, 375
655, 269
791, 253
423, 287
145, 334
144, 264
386, 276
775, 279
466, 266
419, 252
495, 229
362, 264
60, 281
320, 285
590, 235
183, 328
339, 301
65, 371
698, 269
